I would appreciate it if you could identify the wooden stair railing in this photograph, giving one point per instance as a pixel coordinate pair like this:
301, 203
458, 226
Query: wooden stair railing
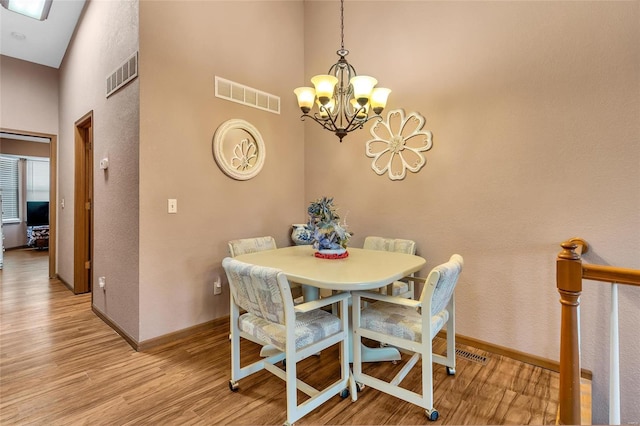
569, 275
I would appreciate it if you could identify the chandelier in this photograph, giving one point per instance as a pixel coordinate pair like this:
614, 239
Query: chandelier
344, 99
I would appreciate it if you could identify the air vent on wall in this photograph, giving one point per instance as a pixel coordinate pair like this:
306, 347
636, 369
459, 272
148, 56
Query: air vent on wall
236, 92
126, 72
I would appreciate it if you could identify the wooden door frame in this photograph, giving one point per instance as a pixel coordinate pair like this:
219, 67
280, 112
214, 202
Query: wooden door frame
83, 217
53, 191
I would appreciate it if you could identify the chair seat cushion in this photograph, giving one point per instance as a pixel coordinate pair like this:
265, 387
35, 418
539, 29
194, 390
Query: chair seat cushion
399, 321
310, 327
400, 287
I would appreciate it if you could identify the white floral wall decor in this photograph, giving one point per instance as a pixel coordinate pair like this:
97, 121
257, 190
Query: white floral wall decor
238, 149
398, 144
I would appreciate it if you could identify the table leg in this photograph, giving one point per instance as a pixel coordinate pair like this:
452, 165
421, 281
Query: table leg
310, 293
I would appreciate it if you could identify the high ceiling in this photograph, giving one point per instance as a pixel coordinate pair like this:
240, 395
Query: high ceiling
42, 42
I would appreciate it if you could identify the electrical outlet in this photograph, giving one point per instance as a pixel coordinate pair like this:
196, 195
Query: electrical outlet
102, 282
217, 287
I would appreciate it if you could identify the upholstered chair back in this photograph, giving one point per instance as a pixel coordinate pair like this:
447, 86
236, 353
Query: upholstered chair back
441, 283
251, 245
390, 244
258, 290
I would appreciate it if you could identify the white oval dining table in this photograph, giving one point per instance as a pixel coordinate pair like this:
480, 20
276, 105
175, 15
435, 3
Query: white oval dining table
361, 270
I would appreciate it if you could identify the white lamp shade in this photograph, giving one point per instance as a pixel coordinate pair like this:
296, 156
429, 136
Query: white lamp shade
306, 96
324, 85
362, 87
379, 97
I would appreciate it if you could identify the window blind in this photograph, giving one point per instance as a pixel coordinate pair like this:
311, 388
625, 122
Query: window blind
9, 188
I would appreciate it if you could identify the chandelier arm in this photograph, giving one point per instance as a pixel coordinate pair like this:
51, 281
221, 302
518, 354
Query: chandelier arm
323, 122
331, 118
360, 125
354, 117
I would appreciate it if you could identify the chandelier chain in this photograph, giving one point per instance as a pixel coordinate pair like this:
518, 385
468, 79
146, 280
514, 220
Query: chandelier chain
342, 24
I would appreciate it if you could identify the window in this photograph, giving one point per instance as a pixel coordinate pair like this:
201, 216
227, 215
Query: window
37, 180
9, 186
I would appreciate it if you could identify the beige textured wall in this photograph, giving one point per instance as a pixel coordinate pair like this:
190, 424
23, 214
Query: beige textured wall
107, 36
535, 111
183, 46
28, 96
26, 148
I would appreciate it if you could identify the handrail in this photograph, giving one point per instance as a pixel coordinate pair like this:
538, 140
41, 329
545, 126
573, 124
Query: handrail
569, 275
611, 274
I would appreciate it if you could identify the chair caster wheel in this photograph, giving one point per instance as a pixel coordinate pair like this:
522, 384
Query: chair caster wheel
451, 371
233, 386
344, 394
432, 415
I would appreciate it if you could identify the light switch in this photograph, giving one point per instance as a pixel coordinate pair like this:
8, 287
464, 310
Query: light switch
172, 205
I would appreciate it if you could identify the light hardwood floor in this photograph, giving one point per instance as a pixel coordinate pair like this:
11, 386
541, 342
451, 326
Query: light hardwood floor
61, 365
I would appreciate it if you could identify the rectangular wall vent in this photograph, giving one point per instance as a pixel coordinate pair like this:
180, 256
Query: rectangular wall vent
126, 72
245, 95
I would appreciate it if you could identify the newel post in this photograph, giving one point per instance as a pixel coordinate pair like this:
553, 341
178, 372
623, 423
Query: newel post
569, 282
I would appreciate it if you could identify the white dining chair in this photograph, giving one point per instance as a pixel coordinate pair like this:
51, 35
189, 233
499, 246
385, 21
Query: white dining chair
410, 325
252, 245
297, 331
398, 245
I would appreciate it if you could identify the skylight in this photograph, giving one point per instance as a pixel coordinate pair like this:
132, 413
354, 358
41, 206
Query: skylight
36, 9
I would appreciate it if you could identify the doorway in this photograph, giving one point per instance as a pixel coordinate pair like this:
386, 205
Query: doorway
83, 206
53, 173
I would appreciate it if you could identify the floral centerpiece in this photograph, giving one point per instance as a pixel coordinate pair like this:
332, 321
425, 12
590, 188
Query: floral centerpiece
329, 235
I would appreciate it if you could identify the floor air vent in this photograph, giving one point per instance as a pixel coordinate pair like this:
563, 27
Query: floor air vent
122, 75
245, 95
471, 356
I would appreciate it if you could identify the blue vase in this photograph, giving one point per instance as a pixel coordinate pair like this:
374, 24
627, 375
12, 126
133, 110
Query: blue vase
301, 235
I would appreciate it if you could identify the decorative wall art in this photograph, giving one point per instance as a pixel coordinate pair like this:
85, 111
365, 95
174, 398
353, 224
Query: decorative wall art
238, 149
398, 144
